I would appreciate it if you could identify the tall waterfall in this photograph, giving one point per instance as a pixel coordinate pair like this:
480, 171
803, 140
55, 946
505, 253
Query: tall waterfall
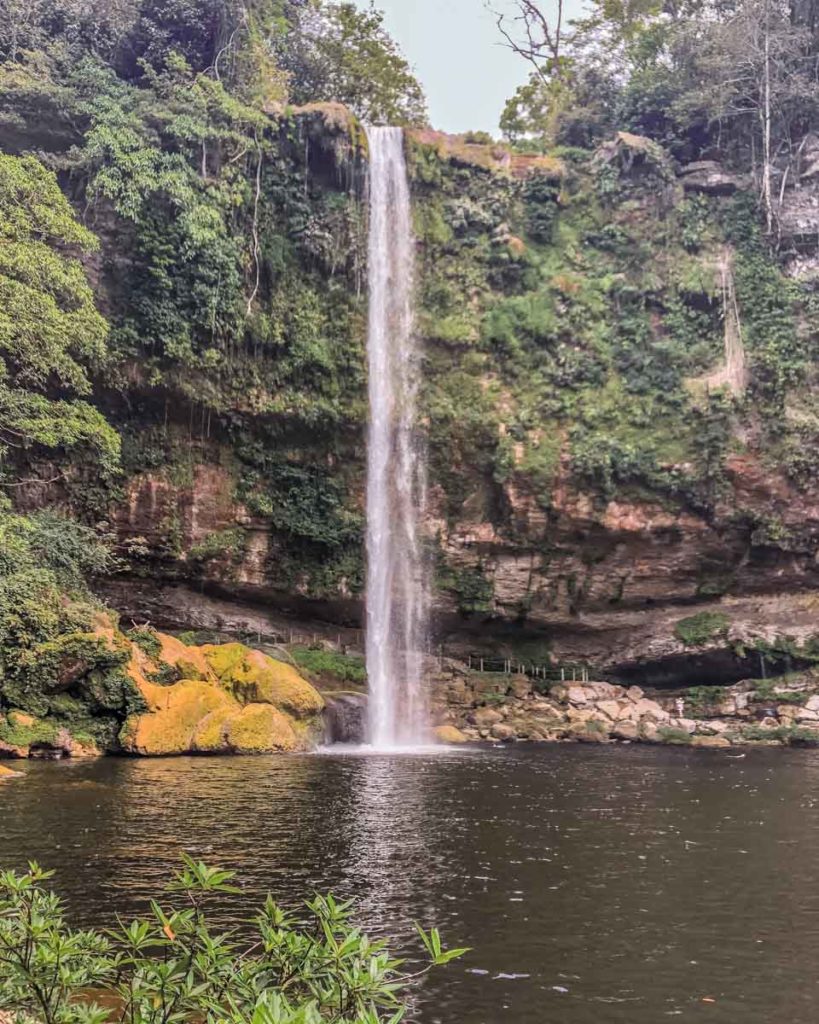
397, 595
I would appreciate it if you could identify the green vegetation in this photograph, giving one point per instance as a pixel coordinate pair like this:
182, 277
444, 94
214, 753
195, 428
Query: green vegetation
189, 170
790, 735
673, 737
698, 630
767, 690
312, 966
323, 664
702, 700
50, 329
46, 617
146, 639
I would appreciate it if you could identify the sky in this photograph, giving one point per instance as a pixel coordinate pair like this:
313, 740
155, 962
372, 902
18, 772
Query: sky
454, 48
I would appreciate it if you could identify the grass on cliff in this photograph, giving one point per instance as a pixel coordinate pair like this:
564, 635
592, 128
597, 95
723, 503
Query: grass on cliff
313, 966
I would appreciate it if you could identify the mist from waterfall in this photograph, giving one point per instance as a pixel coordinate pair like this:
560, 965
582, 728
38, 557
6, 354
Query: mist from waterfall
397, 586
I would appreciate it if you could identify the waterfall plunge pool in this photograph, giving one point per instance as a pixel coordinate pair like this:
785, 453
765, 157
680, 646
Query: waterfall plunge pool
595, 884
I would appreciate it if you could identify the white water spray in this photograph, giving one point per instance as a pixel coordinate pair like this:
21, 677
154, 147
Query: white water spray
397, 592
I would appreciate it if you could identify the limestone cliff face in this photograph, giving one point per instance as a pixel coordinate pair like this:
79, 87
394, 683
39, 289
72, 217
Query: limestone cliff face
619, 405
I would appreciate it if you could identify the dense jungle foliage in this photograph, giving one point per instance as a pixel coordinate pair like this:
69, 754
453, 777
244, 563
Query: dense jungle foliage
183, 279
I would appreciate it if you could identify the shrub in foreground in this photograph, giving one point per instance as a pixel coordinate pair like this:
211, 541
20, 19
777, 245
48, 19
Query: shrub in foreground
172, 966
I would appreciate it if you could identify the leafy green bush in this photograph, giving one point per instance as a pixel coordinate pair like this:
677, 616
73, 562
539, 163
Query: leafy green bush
348, 668
313, 967
696, 630
147, 640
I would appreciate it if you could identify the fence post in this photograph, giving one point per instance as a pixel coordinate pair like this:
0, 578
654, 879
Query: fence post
481, 664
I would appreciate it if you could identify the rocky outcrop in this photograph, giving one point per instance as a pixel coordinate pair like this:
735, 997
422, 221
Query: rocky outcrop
180, 699
711, 178
597, 712
232, 700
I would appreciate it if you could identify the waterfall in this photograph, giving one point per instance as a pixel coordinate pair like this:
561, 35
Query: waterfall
397, 595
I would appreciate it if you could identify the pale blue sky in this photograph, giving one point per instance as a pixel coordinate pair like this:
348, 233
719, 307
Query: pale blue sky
454, 47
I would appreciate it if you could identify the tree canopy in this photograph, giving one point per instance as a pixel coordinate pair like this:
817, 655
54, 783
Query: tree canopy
50, 329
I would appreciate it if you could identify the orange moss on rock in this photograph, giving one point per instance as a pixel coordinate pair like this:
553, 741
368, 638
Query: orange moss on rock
174, 714
210, 735
238, 700
190, 661
255, 678
261, 729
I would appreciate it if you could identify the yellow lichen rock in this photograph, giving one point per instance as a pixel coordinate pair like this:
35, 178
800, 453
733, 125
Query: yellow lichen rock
175, 712
20, 719
223, 658
449, 734
210, 735
261, 729
190, 661
254, 678
231, 698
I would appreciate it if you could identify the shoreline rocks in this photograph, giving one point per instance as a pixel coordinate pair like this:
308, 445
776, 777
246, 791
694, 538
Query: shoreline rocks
747, 713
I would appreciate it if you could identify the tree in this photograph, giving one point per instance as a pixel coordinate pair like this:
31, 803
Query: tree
572, 85
337, 52
50, 329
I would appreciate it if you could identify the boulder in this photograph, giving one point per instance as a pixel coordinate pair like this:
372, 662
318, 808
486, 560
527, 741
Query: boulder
449, 734
483, 718
645, 708
521, 686
7, 773
710, 741
625, 730
502, 731
806, 715
255, 678
262, 729
610, 708
173, 717
591, 731
812, 703
649, 731
236, 700
585, 693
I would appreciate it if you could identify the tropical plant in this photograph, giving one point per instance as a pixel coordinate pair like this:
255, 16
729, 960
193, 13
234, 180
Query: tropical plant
309, 967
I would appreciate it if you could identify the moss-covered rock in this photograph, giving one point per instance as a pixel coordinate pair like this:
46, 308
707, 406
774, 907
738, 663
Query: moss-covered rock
210, 735
263, 729
255, 678
239, 700
174, 714
23, 735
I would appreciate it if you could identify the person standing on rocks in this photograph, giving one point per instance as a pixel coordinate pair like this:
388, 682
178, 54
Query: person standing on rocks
679, 704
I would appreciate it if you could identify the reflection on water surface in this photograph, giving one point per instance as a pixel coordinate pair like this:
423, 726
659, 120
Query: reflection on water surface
612, 884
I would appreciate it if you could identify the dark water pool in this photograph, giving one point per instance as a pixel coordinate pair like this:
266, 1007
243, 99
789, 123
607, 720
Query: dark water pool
595, 884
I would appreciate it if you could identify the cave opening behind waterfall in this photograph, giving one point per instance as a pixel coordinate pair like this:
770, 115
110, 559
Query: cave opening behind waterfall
721, 667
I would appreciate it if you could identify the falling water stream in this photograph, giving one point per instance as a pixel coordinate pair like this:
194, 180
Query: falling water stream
397, 596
